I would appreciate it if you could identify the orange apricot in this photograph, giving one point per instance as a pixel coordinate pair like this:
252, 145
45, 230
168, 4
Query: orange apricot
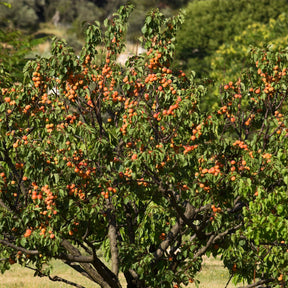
27, 233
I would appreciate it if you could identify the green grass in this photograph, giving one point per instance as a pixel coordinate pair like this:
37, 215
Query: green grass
18, 277
213, 275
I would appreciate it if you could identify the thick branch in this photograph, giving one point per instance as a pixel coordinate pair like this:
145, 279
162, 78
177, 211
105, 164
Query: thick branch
102, 275
76, 258
165, 244
98, 271
108, 275
188, 214
132, 279
91, 273
78, 268
112, 234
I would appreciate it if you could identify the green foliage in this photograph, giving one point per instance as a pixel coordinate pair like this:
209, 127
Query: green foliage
231, 57
98, 156
209, 24
15, 46
20, 14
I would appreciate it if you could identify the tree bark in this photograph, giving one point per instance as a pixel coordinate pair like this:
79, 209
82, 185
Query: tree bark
112, 234
96, 271
133, 280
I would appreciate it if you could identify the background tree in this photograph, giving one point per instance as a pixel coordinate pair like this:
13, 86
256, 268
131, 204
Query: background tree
216, 22
70, 16
14, 47
96, 156
232, 57
22, 14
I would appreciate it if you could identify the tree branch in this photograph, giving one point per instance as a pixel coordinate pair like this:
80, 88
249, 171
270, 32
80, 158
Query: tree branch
56, 278
98, 271
76, 258
60, 279
17, 248
188, 214
91, 273
67, 257
2, 204
213, 238
132, 279
78, 268
170, 237
260, 282
107, 274
112, 234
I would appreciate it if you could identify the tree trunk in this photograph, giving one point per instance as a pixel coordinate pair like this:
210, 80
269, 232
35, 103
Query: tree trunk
132, 280
96, 271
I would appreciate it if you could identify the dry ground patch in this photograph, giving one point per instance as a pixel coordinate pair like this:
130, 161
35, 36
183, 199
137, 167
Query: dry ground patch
213, 275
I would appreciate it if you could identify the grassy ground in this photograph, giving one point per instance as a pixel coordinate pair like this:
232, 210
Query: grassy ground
213, 275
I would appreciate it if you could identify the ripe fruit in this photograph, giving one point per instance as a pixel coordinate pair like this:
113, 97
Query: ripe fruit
280, 278
76, 170
27, 233
134, 157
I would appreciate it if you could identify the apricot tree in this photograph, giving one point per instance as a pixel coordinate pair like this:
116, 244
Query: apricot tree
99, 158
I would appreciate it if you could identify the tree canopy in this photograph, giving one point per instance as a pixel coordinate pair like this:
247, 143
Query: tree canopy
14, 47
96, 156
209, 24
231, 57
